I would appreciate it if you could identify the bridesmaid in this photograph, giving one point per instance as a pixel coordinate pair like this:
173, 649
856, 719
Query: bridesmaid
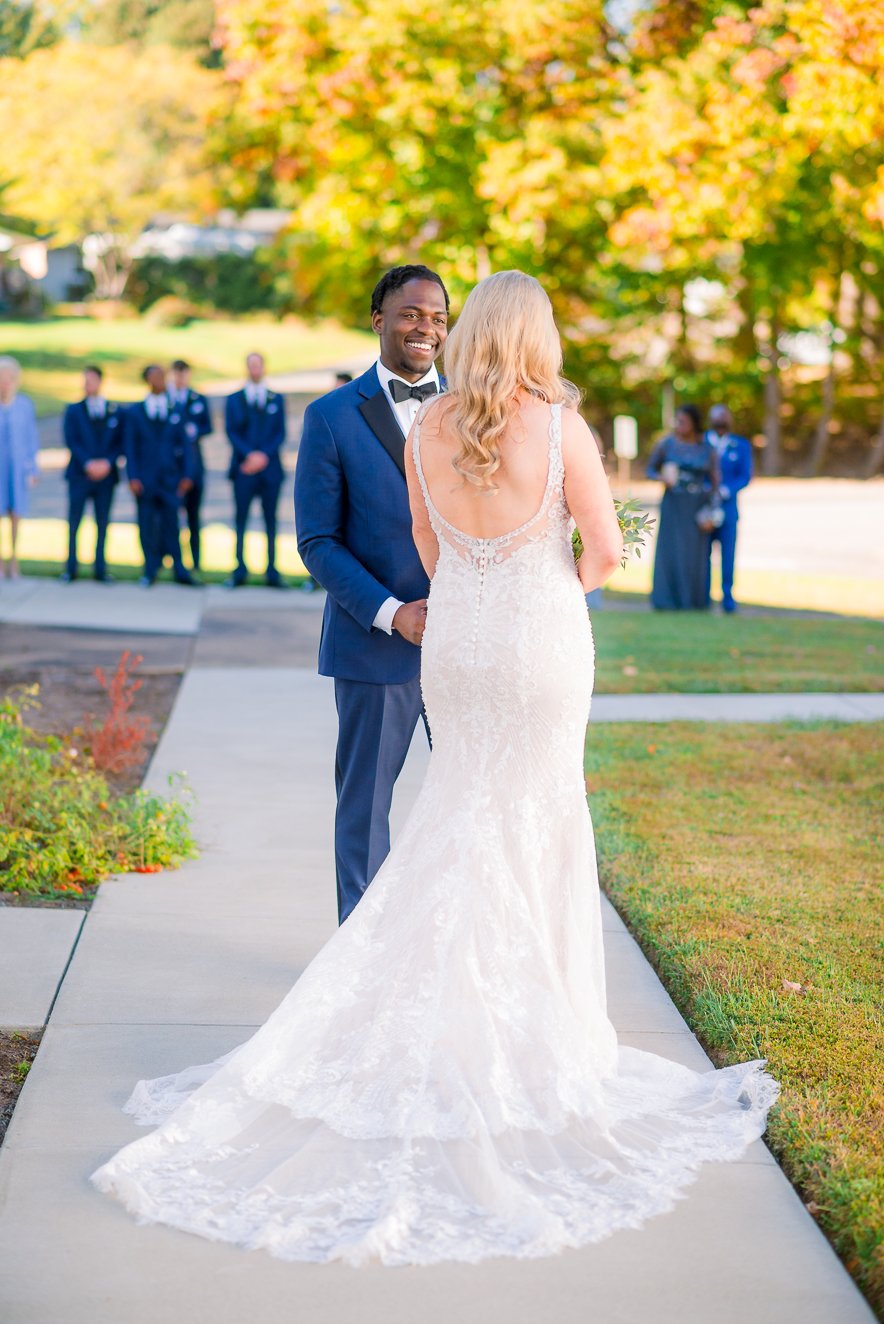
18, 454
687, 464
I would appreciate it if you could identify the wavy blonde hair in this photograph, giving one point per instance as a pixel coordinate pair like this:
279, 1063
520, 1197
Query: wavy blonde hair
504, 339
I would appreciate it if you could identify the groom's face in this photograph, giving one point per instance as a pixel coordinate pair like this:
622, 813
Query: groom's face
412, 326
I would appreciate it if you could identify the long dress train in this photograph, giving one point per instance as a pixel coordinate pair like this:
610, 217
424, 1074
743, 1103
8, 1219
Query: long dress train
443, 1082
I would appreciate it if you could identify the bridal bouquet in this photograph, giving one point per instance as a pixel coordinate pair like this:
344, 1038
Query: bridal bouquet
635, 525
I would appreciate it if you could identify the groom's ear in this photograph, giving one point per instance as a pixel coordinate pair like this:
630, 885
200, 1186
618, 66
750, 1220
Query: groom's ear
377, 322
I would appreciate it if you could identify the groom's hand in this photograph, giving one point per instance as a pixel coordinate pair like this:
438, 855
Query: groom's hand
410, 620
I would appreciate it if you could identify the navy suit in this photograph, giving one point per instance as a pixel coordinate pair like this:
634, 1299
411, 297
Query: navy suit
89, 438
354, 536
159, 456
736, 465
255, 428
197, 424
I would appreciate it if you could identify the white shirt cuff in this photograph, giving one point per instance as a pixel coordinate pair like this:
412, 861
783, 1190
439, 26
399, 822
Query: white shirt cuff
386, 612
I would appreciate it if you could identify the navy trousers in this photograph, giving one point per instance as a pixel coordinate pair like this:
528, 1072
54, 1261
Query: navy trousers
726, 536
375, 727
191, 502
158, 528
101, 495
246, 487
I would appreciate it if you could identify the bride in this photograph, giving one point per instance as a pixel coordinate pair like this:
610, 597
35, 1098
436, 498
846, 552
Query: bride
443, 1082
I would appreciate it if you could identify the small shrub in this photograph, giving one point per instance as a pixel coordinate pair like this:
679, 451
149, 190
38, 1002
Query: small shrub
172, 311
120, 741
62, 829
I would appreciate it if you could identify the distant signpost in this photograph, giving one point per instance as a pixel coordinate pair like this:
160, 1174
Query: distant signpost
625, 444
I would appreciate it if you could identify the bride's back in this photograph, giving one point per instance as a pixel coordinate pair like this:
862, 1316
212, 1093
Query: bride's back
519, 482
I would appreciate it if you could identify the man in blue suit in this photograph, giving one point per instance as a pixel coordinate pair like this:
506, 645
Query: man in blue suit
93, 434
255, 422
354, 536
735, 463
194, 409
159, 466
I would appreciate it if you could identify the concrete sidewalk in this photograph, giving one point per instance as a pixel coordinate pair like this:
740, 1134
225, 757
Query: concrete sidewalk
178, 968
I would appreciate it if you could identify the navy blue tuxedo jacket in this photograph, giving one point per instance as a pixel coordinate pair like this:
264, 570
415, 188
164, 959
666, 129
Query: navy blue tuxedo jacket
92, 439
158, 454
735, 463
354, 530
197, 424
252, 429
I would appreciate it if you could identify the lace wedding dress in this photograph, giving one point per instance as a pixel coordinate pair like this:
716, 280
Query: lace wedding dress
443, 1082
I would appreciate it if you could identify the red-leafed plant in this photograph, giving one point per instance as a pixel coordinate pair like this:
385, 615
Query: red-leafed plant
120, 740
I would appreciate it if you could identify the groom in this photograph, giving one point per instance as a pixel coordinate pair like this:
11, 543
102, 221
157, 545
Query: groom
354, 536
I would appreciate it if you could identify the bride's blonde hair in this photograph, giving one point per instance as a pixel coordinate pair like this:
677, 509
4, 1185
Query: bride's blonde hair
504, 339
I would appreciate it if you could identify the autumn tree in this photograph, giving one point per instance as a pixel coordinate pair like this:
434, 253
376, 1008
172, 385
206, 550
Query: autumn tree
394, 134
111, 137
756, 159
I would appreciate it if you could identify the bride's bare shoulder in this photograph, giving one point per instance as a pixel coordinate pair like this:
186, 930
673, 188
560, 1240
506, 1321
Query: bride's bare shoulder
433, 414
575, 430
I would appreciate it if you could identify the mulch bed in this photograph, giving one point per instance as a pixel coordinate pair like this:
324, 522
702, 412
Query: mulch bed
16, 1048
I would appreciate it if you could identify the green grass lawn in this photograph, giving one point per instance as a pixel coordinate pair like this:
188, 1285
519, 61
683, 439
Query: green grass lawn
53, 352
847, 596
43, 550
746, 861
644, 652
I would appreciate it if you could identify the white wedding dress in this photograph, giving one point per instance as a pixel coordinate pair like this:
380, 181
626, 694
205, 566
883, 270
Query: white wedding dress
443, 1082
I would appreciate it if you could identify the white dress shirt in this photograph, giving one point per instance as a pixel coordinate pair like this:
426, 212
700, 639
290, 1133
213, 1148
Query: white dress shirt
178, 398
405, 412
157, 406
96, 405
256, 393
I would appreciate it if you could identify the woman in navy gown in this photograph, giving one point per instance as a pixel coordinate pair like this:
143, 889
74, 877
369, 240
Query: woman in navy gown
688, 466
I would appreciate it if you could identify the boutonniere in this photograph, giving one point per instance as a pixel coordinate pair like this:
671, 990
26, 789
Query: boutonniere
271, 407
196, 407
174, 418
112, 420
191, 429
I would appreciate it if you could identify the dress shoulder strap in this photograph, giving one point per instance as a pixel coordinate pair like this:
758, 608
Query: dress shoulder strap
416, 454
556, 462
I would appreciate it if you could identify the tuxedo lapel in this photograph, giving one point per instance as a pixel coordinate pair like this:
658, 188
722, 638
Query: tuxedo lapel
378, 415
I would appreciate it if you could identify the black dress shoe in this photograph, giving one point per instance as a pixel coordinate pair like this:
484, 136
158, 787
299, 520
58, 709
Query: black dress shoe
103, 577
67, 577
184, 578
273, 579
147, 581
236, 580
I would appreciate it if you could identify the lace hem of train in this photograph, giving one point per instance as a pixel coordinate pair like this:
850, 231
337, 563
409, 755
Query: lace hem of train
422, 1201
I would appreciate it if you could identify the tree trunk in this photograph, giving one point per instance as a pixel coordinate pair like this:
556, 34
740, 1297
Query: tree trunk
820, 443
483, 262
772, 455
876, 459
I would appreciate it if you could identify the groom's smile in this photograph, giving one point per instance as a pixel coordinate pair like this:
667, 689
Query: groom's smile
412, 325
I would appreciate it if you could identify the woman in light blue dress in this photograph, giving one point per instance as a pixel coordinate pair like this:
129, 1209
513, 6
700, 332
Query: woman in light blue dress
18, 456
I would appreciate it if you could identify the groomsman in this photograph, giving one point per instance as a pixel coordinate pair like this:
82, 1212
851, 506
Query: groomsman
93, 434
735, 464
159, 465
255, 422
194, 409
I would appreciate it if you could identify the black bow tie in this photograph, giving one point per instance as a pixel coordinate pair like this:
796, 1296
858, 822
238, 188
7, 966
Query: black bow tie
402, 391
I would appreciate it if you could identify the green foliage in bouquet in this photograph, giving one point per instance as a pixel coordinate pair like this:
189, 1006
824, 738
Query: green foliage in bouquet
635, 525
62, 828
